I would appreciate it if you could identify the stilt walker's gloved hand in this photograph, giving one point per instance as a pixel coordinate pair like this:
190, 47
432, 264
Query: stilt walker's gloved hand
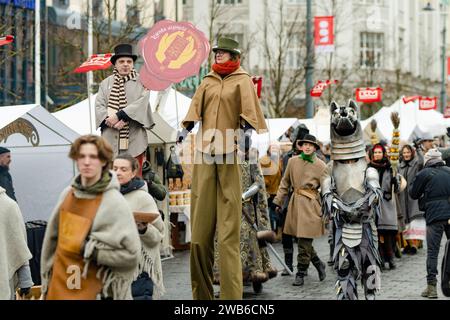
181, 135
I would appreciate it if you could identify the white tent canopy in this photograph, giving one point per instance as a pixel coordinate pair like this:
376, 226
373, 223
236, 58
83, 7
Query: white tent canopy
413, 122
277, 127
164, 104
319, 126
40, 166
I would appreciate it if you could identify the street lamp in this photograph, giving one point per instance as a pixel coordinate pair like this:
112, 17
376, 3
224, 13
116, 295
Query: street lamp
309, 61
443, 57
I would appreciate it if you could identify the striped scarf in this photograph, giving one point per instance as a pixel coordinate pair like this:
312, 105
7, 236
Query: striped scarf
117, 101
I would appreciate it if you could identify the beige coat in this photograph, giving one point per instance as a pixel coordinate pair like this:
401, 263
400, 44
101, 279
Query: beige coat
138, 109
14, 252
221, 104
150, 260
113, 242
304, 219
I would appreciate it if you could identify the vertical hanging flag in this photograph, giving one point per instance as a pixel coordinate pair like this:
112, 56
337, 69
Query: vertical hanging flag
448, 69
320, 86
323, 34
368, 95
427, 103
95, 62
6, 40
257, 81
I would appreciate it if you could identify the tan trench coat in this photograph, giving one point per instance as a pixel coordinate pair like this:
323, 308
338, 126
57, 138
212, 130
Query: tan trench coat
138, 109
303, 218
221, 104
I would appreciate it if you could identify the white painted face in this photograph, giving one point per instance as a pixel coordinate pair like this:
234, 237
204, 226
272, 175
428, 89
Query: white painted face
124, 65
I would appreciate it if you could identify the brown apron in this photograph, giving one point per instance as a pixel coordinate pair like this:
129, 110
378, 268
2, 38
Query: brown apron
75, 220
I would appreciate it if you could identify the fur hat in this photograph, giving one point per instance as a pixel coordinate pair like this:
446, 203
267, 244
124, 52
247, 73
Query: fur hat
432, 154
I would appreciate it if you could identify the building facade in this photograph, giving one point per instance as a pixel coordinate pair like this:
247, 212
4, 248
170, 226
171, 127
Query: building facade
393, 44
64, 43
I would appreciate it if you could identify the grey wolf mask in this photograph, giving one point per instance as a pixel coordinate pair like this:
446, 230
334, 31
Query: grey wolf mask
345, 132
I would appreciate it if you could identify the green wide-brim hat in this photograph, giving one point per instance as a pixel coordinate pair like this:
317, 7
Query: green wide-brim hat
227, 44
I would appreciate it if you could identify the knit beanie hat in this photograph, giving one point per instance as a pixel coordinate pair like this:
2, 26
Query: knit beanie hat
4, 150
432, 154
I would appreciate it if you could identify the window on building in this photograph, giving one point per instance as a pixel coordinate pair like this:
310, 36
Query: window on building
229, 1
63, 3
371, 50
133, 16
293, 53
380, 2
97, 8
296, 1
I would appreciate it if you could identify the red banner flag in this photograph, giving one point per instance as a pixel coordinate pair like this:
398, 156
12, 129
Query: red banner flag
368, 95
95, 62
323, 34
6, 40
320, 86
447, 112
257, 81
410, 99
427, 103
448, 69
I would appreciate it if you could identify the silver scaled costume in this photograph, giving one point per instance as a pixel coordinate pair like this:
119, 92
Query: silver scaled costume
350, 196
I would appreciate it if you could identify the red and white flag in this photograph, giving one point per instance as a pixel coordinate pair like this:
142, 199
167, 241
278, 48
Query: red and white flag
257, 81
320, 86
323, 34
95, 62
6, 40
410, 99
368, 95
427, 103
448, 69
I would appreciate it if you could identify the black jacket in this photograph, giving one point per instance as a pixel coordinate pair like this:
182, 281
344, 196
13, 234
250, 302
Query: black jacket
436, 191
6, 182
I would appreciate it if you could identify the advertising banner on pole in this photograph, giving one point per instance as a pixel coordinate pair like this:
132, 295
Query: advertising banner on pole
324, 34
368, 95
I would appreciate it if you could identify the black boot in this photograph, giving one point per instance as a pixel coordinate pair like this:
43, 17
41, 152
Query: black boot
330, 261
288, 259
391, 263
320, 266
299, 279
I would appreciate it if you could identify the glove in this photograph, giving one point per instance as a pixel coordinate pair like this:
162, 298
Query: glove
181, 135
24, 291
245, 141
277, 208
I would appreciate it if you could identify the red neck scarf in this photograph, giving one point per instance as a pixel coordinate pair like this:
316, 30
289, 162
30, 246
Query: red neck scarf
227, 67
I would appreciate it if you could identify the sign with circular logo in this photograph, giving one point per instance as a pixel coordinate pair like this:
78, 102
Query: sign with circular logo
172, 52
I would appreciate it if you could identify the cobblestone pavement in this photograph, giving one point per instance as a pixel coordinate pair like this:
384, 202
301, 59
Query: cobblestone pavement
405, 282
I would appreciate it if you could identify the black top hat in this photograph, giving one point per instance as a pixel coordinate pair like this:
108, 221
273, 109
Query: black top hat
123, 50
311, 139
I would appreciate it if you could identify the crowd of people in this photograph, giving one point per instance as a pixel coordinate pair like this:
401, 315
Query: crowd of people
414, 205
103, 237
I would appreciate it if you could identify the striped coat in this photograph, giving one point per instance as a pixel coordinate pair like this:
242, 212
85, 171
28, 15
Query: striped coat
138, 109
